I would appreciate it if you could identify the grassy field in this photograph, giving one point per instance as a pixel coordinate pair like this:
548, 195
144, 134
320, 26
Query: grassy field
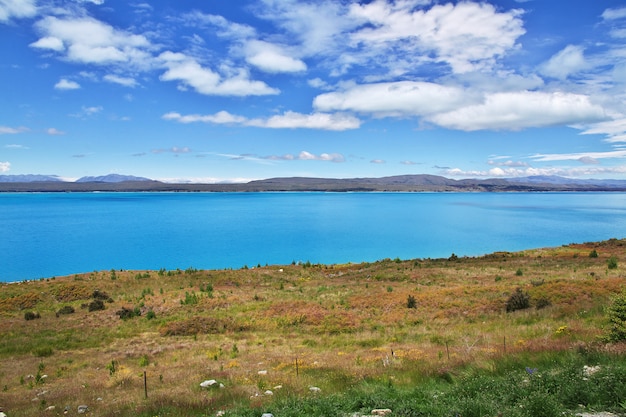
428, 337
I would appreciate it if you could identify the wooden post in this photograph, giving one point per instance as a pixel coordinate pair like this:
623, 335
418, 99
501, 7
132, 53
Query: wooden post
297, 370
145, 384
447, 350
504, 344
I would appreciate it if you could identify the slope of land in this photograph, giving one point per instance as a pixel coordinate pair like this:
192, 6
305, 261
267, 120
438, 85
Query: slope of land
286, 336
399, 183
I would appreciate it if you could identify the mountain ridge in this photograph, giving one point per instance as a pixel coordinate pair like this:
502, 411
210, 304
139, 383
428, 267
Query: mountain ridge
396, 183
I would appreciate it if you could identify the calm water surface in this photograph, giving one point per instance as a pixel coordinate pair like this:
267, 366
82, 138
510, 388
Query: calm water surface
54, 234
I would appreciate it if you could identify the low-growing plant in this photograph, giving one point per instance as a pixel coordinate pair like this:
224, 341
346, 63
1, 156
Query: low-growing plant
95, 305
611, 263
65, 310
519, 300
616, 314
30, 315
411, 302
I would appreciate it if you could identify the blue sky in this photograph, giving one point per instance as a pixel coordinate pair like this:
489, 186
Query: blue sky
218, 91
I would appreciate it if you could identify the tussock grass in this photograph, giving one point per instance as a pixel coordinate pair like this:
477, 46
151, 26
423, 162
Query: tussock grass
346, 329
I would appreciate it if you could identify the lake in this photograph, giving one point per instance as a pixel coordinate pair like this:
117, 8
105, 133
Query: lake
56, 234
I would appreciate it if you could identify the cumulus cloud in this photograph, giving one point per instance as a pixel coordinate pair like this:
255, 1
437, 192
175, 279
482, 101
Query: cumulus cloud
272, 58
520, 110
581, 156
190, 73
287, 120
466, 36
89, 41
533, 171
16, 9
5, 166
404, 98
614, 14
65, 84
566, 62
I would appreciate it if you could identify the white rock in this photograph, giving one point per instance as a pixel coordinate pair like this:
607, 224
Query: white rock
2, 414
381, 411
267, 415
590, 370
268, 392
51, 408
82, 409
315, 389
220, 413
262, 372
208, 383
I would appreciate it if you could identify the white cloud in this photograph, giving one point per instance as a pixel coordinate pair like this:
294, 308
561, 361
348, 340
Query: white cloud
404, 98
272, 58
65, 84
17, 9
189, 72
572, 172
54, 132
90, 41
116, 79
566, 62
221, 117
6, 130
579, 156
288, 120
520, 110
293, 120
614, 14
308, 156
466, 36
615, 130
5, 166
49, 42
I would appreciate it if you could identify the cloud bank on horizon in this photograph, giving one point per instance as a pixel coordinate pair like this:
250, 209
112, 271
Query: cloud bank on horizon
262, 88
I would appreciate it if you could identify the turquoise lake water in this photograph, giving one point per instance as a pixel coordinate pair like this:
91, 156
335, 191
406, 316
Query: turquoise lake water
56, 234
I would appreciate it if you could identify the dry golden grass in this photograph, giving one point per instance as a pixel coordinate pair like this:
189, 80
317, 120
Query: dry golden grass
288, 326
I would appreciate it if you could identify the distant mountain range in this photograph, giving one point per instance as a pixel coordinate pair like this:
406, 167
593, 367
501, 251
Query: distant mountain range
398, 183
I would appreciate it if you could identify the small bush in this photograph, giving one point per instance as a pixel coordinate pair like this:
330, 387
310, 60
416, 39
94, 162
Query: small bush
66, 310
519, 272
611, 263
593, 254
542, 303
96, 305
101, 295
411, 302
150, 315
519, 300
29, 315
616, 314
127, 313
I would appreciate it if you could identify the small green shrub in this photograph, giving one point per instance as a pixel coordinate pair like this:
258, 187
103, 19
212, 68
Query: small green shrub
95, 305
519, 300
29, 315
611, 263
411, 302
150, 315
127, 313
616, 314
519, 272
593, 254
66, 310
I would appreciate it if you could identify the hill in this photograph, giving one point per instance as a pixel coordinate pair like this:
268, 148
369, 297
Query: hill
399, 183
422, 337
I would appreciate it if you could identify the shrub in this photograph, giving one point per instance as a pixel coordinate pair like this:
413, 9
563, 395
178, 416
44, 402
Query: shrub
611, 263
29, 315
411, 302
101, 295
150, 315
127, 313
617, 318
96, 305
66, 310
519, 272
593, 254
519, 300
542, 303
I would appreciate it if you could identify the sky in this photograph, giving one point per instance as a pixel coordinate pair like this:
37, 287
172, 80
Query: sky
231, 91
